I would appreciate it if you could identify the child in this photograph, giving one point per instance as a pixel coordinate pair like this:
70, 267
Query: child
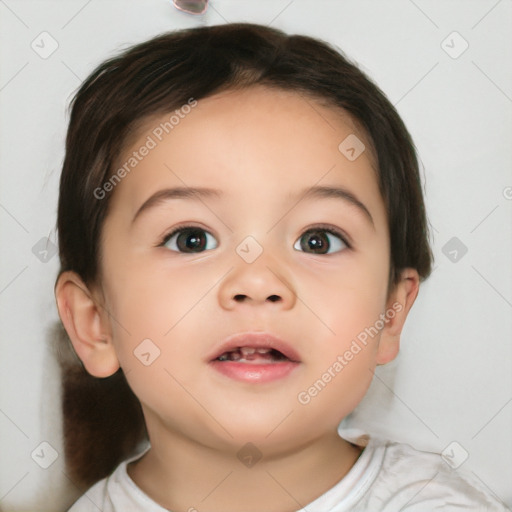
242, 234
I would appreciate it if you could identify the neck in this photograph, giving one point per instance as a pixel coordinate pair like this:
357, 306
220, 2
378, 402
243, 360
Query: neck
182, 475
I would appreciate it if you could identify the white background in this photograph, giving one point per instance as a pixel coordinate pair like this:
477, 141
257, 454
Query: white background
453, 379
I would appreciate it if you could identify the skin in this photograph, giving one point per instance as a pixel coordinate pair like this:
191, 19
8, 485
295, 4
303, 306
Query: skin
261, 148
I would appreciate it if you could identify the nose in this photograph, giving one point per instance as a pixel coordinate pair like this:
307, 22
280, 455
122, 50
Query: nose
263, 281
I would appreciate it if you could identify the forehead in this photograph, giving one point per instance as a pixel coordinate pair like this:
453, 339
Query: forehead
242, 141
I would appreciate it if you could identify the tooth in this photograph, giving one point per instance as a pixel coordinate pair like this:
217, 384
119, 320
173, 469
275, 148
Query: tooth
235, 356
263, 350
246, 351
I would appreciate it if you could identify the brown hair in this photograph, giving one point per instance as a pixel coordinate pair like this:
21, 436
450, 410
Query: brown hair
103, 420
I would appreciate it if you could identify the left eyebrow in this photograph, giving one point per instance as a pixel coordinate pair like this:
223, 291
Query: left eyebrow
167, 194
325, 192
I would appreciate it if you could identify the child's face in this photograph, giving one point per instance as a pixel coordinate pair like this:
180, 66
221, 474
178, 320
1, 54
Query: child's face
261, 150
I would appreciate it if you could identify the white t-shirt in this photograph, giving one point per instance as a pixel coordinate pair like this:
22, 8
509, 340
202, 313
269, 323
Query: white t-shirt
387, 477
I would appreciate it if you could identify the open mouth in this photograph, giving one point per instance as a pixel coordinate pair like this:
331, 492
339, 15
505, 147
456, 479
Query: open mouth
255, 358
253, 355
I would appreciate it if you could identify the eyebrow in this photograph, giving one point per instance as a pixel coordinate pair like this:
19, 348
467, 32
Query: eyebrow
168, 194
325, 192
197, 193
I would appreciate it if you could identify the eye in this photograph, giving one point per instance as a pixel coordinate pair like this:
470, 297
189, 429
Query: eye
189, 239
321, 240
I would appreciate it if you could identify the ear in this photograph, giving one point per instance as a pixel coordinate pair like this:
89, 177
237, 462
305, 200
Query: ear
398, 306
87, 325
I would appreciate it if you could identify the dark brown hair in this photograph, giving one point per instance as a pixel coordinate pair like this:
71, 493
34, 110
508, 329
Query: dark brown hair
103, 420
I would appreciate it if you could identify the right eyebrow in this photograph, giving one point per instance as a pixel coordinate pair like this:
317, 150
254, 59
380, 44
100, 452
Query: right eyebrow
340, 193
168, 194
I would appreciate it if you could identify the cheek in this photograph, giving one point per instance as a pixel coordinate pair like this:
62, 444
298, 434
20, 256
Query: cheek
159, 315
346, 308
347, 298
151, 298
344, 355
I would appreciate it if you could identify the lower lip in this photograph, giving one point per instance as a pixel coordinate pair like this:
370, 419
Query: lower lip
254, 373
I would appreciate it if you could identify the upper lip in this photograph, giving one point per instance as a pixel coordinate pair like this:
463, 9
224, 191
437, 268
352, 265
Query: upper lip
256, 340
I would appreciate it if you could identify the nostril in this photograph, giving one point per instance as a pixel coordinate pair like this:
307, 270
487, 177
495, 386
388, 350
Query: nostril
271, 298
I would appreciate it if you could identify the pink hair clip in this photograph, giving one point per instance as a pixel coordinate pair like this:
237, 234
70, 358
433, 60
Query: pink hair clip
191, 6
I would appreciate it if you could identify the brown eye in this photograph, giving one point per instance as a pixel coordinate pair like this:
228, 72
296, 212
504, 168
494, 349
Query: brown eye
190, 240
320, 241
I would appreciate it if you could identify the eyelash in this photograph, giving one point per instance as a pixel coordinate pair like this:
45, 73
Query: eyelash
331, 230
177, 229
320, 227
